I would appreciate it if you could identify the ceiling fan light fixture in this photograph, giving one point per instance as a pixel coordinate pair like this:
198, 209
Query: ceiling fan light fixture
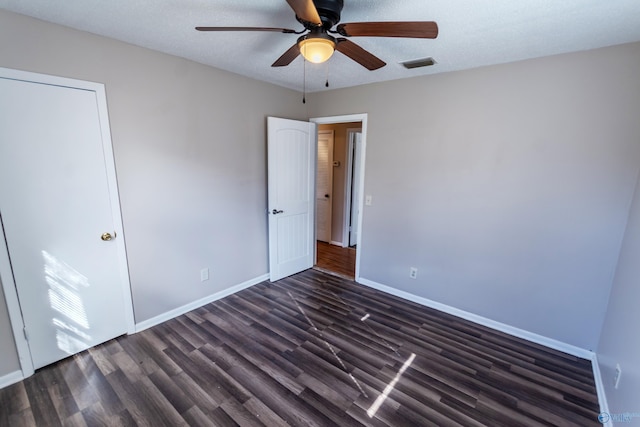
317, 47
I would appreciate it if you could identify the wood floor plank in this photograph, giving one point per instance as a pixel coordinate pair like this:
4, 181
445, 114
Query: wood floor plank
78, 420
334, 413
196, 368
60, 394
196, 417
96, 381
133, 369
196, 394
40, 403
277, 397
505, 414
94, 415
153, 347
264, 413
313, 349
130, 398
174, 394
240, 415
102, 359
223, 380
158, 403
22, 418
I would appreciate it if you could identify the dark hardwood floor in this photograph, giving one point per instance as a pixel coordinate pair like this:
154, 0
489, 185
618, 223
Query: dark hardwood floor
336, 260
309, 350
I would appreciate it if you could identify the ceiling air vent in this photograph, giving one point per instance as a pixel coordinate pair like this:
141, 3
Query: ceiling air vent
417, 63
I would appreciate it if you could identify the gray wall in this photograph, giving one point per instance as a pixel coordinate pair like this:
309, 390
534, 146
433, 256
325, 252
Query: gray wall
508, 187
190, 152
620, 341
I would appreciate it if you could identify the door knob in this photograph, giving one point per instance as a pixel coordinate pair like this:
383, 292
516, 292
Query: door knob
326, 195
106, 236
276, 212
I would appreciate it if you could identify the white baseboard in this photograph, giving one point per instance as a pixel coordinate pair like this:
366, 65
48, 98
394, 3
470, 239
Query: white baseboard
335, 243
602, 397
502, 327
11, 378
198, 303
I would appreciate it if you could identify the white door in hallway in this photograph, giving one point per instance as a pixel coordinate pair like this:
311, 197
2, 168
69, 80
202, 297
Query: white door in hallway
355, 192
61, 215
324, 186
291, 177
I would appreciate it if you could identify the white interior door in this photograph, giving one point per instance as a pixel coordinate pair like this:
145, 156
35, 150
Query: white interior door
291, 170
355, 189
324, 186
56, 203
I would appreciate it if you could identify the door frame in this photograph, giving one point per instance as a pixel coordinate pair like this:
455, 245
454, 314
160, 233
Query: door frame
6, 273
351, 160
362, 118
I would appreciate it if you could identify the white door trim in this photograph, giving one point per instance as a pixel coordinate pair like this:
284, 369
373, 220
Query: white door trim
8, 285
15, 314
346, 232
361, 117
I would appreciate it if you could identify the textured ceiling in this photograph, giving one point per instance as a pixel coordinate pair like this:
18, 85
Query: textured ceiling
472, 33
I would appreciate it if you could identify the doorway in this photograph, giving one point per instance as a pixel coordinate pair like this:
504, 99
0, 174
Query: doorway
339, 253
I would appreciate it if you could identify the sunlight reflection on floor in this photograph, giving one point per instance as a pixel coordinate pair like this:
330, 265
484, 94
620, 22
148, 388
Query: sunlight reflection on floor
389, 388
329, 346
371, 412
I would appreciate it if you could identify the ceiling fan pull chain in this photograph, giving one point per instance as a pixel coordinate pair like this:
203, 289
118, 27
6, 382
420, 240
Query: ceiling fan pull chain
327, 82
304, 80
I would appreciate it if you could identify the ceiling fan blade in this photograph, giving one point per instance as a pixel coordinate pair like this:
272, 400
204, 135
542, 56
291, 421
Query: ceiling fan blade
305, 10
278, 30
287, 57
358, 54
416, 29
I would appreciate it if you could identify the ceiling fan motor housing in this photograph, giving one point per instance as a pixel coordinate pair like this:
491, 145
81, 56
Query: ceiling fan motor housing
329, 11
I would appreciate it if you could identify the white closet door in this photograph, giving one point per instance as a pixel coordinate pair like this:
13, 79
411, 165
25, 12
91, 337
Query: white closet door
56, 204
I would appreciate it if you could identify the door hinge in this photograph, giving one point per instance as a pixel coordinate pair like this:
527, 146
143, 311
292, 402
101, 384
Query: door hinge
26, 333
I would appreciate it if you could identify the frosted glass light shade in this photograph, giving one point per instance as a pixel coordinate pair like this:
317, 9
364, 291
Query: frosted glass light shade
316, 50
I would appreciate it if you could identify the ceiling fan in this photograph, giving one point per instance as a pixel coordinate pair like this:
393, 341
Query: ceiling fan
317, 43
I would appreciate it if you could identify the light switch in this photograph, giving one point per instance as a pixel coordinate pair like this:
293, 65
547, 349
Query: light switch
367, 200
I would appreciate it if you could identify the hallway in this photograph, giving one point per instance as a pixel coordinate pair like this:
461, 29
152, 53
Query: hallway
336, 260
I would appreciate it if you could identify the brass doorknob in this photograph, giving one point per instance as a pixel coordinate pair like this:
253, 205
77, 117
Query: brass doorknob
106, 236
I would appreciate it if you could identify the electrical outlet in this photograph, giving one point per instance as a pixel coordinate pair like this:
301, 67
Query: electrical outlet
204, 274
413, 272
616, 377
